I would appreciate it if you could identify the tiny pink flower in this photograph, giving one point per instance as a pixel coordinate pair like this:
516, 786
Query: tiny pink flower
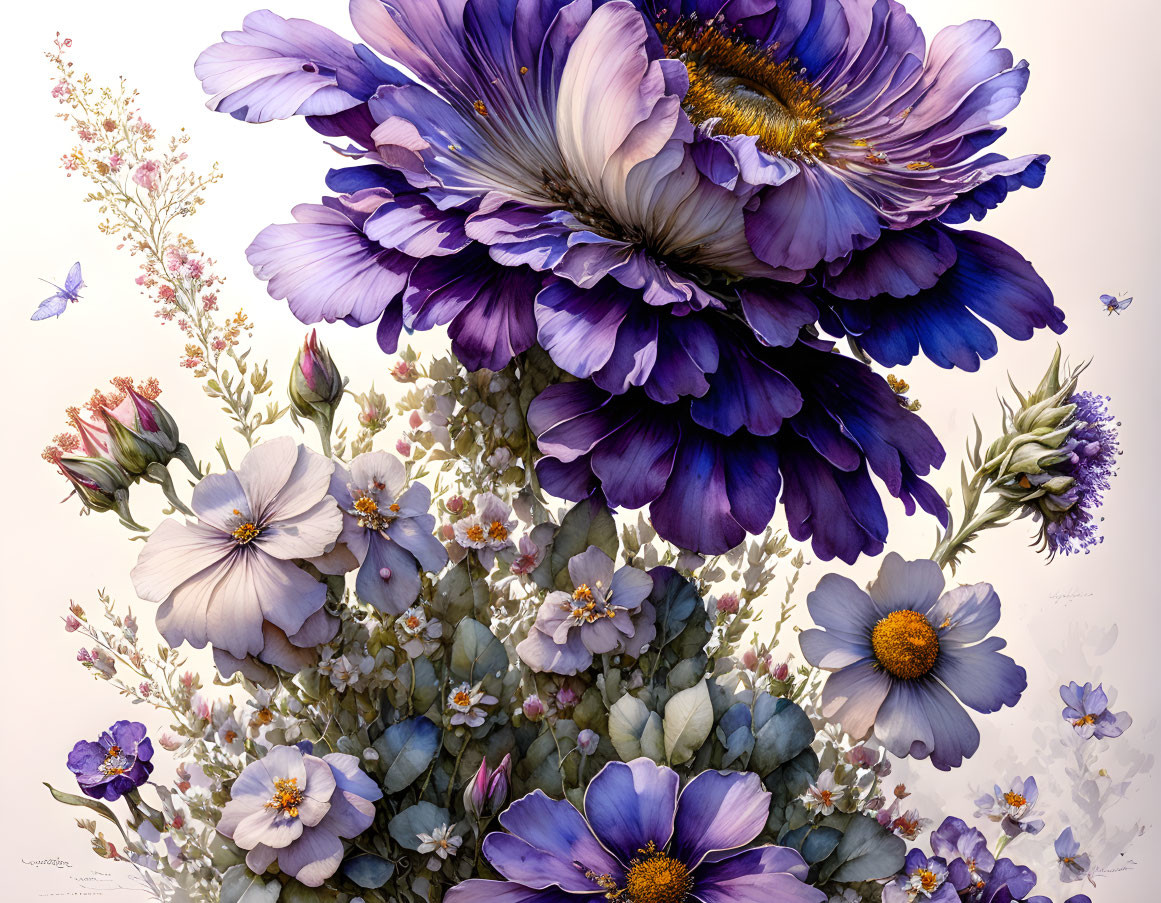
116, 161
455, 504
71, 624
169, 741
148, 175
728, 604
403, 447
415, 421
781, 671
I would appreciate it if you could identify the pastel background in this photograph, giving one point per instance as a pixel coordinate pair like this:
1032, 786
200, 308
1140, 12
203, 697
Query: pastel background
1092, 228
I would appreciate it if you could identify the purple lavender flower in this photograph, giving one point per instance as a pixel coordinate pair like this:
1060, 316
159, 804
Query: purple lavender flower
923, 878
1087, 710
296, 808
1088, 464
608, 611
1013, 808
639, 837
1074, 865
115, 764
230, 579
901, 654
387, 531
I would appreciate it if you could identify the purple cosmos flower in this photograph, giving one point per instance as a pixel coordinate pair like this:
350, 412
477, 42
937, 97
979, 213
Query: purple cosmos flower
1074, 864
804, 422
608, 611
387, 531
639, 837
1087, 710
901, 654
1013, 808
923, 878
296, 808
965, 850
115, 764
230, 579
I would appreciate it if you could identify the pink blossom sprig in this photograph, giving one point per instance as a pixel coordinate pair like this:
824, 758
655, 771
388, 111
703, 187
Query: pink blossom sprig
143, 189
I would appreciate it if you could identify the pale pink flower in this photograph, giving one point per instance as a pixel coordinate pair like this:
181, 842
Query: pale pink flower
148, 175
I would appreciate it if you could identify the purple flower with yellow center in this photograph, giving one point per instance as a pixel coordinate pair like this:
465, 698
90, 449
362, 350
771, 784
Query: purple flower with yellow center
231, 579
488, 529
296, 809
905, 658
1074, 865
641, 839
387, 531
115, 764
965, 850
1013, 808
1087, 710
923, 878
608, 611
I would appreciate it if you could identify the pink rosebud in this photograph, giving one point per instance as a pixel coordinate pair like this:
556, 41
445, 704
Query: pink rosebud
587, 742
71, 624
148, 175
455, 504
566, 697
83, 656
415, 421
728, 604
781, 672
403, 447
177, 822
750, 659
448, 532
403, 372
384, 573
533, 708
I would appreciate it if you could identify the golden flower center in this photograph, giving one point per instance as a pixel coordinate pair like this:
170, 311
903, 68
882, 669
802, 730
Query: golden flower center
905, 644
1015, 800
928, 880
825, 797
115, 762
583, 593
393, 508
366, 505
738, 83
657, 878
287, 797
462, 698
475, 533
412, 622
246, 532
497, 531
1087, 719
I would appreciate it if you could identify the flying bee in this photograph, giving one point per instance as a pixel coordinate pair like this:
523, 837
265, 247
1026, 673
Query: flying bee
1115, 305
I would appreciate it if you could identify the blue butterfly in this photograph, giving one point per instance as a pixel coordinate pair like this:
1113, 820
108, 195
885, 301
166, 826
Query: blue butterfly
55, 305
1115, 305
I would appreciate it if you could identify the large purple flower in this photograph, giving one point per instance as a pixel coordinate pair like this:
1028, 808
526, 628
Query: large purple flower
230, 579
663, 196
607, 611
902, 653
1087, 710
386, 528
802, 425
296, 808
641, 838
115, 764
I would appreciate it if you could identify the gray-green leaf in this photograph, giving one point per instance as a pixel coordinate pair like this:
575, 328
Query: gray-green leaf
405, 750
476, 652
689, 718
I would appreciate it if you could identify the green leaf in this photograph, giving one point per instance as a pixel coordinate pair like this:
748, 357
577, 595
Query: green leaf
653, 739
369, 871
867, 852
423, 817
627, 720
71, 799
689, 718
405, 750
781, 732
454, 598
240, 885
476, 652
589, 523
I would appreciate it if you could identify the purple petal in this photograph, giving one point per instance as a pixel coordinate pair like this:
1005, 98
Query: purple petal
630, 804
556, 828
980, 676
854, 696
718, 811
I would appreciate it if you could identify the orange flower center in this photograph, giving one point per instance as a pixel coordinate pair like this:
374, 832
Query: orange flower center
462, 698
287, 797
657, 878
366, 505
476, 533
497, 531
905, 644
246, 532
1015, 800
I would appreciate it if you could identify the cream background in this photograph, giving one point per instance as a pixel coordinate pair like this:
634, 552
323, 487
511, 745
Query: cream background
1092, 228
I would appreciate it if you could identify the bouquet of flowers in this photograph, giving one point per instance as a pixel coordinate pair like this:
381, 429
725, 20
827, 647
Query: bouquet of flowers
520, 656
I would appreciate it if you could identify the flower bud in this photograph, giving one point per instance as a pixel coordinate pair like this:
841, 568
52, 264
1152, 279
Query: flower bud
488, 790
533, 708
316, 387
100, 484
587, 742
728, 604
